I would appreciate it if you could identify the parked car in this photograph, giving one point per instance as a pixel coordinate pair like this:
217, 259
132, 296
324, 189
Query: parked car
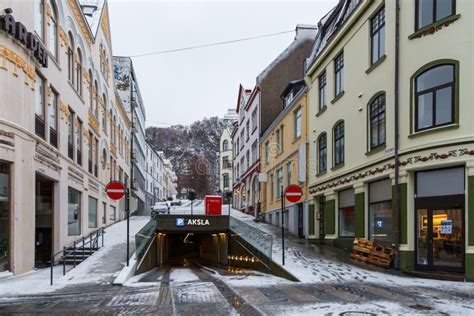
176, 203
160, 208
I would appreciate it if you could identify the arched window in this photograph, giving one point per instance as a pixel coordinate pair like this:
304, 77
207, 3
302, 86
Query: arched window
39, 18
79, 72
339, 143
96, 97
111, 125
91, 91
104, 118
53, 30
70, 58
322, 153
225, 145
114, 135
434, 97
377, 122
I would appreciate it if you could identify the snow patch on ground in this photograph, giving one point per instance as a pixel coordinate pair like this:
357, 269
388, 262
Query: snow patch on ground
183, 275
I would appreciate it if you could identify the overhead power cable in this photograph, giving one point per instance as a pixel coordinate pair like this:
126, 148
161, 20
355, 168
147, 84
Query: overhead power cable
211, 44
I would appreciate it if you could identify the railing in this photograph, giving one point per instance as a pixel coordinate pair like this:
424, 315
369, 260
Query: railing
92, 240
263, 242
143, 238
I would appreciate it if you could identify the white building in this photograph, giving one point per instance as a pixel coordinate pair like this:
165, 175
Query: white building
169, 181
64, 134
245, 146
225, 162
154, 176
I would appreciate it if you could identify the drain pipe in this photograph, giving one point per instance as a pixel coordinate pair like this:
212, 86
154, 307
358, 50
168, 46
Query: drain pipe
397, 123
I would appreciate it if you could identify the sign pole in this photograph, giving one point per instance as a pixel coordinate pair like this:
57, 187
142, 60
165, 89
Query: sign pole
127, 211
282, 227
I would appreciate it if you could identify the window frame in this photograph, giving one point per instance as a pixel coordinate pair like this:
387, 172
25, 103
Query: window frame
53, 107
320, 149
371, 117
322, 84
339, 74
454, 86
380, 28
70, 58
434, 20
298, 114
40, 120
337, 138
54, 22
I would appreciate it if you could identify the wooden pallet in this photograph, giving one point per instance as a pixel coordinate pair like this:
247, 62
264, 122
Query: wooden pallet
376, 253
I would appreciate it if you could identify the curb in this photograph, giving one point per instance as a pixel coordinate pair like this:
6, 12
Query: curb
127, 272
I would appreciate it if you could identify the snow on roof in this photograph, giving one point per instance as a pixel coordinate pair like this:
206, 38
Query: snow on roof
92, 10
328, 27
304, 32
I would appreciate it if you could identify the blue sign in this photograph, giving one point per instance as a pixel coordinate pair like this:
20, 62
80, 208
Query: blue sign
379, 223
180, 222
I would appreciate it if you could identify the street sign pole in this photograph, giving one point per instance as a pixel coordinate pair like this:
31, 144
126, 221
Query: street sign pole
127, 211
282, 227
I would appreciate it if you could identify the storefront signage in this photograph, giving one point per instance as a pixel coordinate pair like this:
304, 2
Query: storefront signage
192, 223
28, 39
446, 227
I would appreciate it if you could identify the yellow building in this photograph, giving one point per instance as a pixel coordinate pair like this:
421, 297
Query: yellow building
283, 162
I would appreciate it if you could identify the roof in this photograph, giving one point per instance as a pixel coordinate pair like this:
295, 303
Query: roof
329, 26
298, 84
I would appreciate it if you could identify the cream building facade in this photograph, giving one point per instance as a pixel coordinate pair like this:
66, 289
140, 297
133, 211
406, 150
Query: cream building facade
225, 162
363, 87
64, 133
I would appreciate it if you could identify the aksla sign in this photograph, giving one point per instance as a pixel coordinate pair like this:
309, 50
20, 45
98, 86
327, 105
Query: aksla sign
180, 222
28, 39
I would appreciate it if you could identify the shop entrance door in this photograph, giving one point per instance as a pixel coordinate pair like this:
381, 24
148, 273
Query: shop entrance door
300, 220
440, 233
44, 221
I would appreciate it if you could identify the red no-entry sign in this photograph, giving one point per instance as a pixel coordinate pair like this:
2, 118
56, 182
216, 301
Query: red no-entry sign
293, 193
115, 190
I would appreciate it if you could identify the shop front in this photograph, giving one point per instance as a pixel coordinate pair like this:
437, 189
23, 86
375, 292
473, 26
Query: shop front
440, 220
4, 216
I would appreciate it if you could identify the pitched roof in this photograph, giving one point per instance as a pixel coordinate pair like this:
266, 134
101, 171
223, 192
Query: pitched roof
329, 26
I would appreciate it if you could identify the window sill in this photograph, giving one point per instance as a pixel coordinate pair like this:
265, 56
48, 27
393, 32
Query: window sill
434, 130
296, 139
319, 174
434, 27
378, 62
77, 93
339, 166
340, 95
375, 150
321, 111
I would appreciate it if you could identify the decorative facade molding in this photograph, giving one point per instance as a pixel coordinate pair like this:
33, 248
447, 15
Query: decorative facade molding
64, 110
93, 122
76, 10
17, 62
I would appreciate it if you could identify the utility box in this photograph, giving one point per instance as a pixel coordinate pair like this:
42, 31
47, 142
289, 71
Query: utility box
213, 204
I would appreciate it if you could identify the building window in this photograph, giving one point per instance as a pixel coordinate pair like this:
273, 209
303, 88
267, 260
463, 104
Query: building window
297, 121
339, 144
104, 116
53, 119
39, 106
70, 58
380, 211
289, 98
377, 122
39, 18
430, 11
96, 98
96, 157
346, 213
225, 181
225, 145
79, 72
70, 134
242, 139
322, 91
272, 197
339, 74
322, 153
377, 36
288, 173
247, 156
92, 212
74, 212
79, 142
53, 31
434, 97
248, 129
91, 139
254, 152
254, 119
112, 215
225, 162
91, 91
279, 183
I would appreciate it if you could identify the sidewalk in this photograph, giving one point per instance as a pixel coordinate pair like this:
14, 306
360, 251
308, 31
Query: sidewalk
313, 263
100, 268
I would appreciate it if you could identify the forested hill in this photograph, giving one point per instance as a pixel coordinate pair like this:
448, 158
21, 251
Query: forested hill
192, 150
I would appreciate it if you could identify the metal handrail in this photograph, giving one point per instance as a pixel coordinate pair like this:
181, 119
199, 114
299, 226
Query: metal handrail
92, 240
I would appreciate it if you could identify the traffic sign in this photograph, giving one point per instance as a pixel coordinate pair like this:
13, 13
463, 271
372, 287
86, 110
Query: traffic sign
293, 193
115, 190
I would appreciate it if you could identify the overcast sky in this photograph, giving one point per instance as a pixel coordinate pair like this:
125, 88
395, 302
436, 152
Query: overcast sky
181, 87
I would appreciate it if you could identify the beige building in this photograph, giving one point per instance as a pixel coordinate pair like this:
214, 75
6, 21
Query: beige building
283, 162
364, 85
64, 133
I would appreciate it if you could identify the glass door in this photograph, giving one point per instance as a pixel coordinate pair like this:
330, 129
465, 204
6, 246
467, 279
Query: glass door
439, 238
